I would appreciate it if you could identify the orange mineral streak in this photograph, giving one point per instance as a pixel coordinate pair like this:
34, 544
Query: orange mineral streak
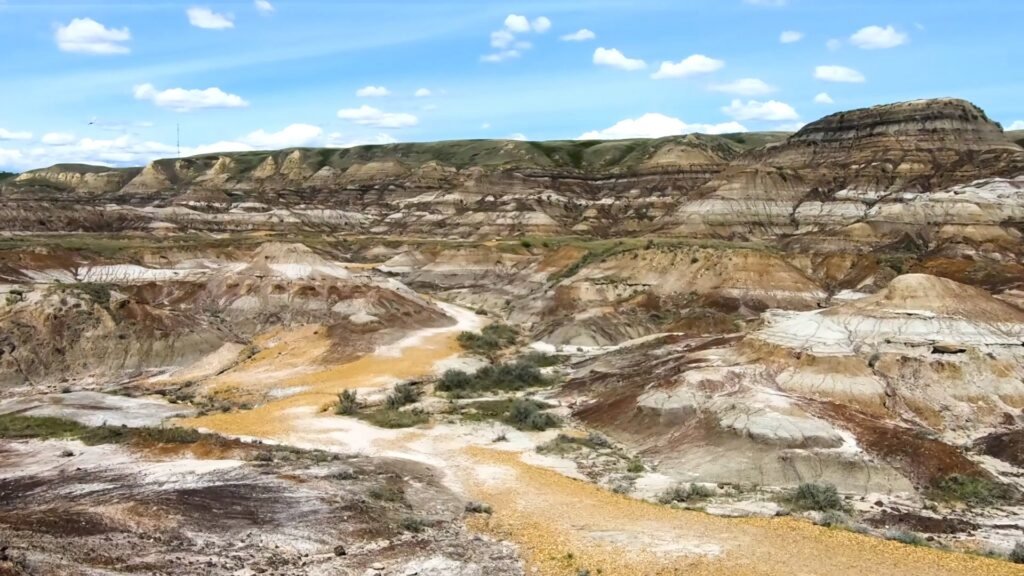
320, 384
563, 526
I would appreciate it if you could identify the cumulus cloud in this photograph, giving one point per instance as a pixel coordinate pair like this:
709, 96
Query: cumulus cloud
745, 87
823, 98
57, 139
87, 36
517, 136
839, 74
370, 116
691, 65
878, 38
581, 35
753, 110
183, 100
423, 93
517, 23
1018, 125
293, 136
654, 125
506, 42
373, 92
264, 6
615, 59
12, 135
208, 19
791, 36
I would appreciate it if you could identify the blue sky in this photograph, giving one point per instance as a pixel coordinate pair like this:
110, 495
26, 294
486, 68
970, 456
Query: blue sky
108, 81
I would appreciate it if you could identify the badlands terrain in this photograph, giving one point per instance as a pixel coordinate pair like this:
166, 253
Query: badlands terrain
753, 354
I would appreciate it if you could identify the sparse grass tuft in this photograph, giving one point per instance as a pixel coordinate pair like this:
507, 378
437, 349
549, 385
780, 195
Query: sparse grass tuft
403, 395
905, 537
394, 419
46, 428
680, 493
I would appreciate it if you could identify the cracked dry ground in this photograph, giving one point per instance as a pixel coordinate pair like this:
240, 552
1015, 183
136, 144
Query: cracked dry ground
564, 526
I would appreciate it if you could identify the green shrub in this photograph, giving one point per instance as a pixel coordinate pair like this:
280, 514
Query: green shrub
402, 395
540, 359
491, 340
413, 524
635, 466
972, 490
348, 403
682, 493
527, 415
499, 377
820, 497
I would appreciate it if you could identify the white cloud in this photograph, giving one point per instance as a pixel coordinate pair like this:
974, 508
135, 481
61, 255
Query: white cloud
691, 65
370, 116
293, 136
517, 23
208, 19
834, 44
264, 6
615, 59
338, 140
791, 36
505, 41
11, 135
839, 74
485, 126
745, 87
373, 92
502, 39
823, 98
87, 36
654, 125
57, 139
517, 136
754, 110
876, 38
423, 93
1018, 125
182, 100
500, 56
581, 35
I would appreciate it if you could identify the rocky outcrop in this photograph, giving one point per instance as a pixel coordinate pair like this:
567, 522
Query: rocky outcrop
855, 167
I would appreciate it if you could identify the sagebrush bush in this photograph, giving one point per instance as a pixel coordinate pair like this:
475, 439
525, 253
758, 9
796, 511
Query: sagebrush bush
527, 415
820, 497
348, 403
403, 395
681, 493
499, 377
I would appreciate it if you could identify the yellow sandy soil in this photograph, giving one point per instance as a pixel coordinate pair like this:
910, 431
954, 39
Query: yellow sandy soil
563, 525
